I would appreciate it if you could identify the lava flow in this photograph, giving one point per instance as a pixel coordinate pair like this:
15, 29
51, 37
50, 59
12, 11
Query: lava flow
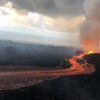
76, 68
23, 78
82, 68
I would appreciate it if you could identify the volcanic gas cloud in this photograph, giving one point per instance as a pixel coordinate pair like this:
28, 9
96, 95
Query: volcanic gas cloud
90, 30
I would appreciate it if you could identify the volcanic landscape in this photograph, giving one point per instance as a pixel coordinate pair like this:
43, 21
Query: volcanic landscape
23, 64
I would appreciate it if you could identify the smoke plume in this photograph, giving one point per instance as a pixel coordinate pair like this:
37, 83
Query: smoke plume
90, 31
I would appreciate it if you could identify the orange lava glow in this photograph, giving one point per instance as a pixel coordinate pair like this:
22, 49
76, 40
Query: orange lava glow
84, 68
90, 52
75, 69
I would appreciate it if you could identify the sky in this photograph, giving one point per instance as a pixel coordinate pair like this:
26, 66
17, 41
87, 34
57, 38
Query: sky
45, 21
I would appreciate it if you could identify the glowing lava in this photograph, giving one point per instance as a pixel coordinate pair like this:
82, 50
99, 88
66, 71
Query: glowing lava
83, 68
90, 52
34, 76
76, 68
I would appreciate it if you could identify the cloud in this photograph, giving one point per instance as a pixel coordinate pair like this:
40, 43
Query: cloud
59, 15
62, 15
11, 16
69, 24
58, 9
2, 1
51, 7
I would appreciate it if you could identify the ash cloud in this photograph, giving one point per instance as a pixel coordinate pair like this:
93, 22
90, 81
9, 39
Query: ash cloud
90, 30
